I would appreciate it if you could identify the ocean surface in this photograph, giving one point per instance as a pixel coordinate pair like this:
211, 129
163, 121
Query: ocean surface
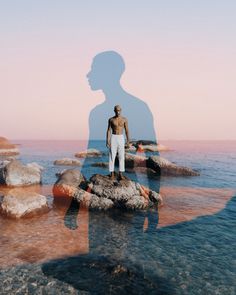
187, 246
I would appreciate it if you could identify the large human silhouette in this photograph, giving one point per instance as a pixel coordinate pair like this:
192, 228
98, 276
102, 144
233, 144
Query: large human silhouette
105, 75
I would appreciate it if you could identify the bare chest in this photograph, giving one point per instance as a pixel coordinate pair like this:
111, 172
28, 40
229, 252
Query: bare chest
117, 122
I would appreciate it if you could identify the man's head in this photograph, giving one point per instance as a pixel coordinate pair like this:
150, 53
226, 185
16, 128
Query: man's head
117, 110
106, 70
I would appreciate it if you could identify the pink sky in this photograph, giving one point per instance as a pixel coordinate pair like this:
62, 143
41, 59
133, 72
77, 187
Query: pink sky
185, 75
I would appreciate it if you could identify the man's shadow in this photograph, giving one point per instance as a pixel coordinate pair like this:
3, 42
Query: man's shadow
154, 262
105, 74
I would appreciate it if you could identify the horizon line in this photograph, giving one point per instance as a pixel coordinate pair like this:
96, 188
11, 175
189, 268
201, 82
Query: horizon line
78, 139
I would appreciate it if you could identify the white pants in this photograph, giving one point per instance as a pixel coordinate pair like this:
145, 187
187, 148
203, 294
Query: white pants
117, 145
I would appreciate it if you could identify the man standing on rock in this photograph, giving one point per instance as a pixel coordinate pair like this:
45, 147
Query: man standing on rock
116, 141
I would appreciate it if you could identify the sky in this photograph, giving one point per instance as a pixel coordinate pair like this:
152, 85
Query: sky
180, 58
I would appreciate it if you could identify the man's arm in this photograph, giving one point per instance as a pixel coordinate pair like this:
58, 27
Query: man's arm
126, 130
108, 136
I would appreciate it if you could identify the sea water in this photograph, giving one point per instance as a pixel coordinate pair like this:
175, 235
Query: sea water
187, 246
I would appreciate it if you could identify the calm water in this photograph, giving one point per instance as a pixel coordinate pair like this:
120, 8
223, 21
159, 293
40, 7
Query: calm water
186, 247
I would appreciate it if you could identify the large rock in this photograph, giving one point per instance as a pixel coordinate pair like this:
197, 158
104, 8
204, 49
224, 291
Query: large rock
124, 194
20, 203
89, 153
15, 174
7, 148
67, 162
71, 183
133, 160
68, 182
158, 164
165, 167
100, 192
149, 146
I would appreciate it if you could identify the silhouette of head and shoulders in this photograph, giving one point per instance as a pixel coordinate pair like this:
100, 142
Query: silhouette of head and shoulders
105, 74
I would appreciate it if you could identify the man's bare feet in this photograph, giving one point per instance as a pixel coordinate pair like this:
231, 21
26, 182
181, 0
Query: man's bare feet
112, 176
121, 176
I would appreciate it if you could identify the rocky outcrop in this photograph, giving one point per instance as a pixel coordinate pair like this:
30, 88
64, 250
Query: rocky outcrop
100, 192
149, 146
69, 181
159, 164
125, 193
133, 160
7, 148
16, 174
19, 203
67, 162
89, 153
143, 170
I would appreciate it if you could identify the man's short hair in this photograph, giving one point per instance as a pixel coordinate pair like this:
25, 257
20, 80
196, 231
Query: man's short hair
117, 106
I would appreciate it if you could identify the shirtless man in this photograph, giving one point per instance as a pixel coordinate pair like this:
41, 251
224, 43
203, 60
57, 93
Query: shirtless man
116, 141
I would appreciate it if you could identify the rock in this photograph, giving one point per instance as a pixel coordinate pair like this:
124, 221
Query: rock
100, 192
100, 164
71, 184
67, 162
15, 174
155, 148
160, 165
165, 167
89, 153
18, 203
124, 194
132, 160
68, 183
143, 170
149, 145
142, 142
7, 148
35, 166
131, 148
4, 163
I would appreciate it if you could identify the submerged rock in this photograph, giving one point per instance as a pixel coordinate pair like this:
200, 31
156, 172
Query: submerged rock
7, 148
89, 153
101, 192
19, 203
15, 174
67, 162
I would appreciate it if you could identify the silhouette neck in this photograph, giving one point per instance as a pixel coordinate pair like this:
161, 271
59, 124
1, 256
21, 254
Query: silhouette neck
113, 92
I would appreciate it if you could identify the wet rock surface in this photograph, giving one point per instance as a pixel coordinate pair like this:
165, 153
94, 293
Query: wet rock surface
19, 203
166, 167
14, 173
158, 164
101, 192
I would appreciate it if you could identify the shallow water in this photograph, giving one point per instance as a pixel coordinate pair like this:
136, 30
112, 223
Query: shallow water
185, 247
